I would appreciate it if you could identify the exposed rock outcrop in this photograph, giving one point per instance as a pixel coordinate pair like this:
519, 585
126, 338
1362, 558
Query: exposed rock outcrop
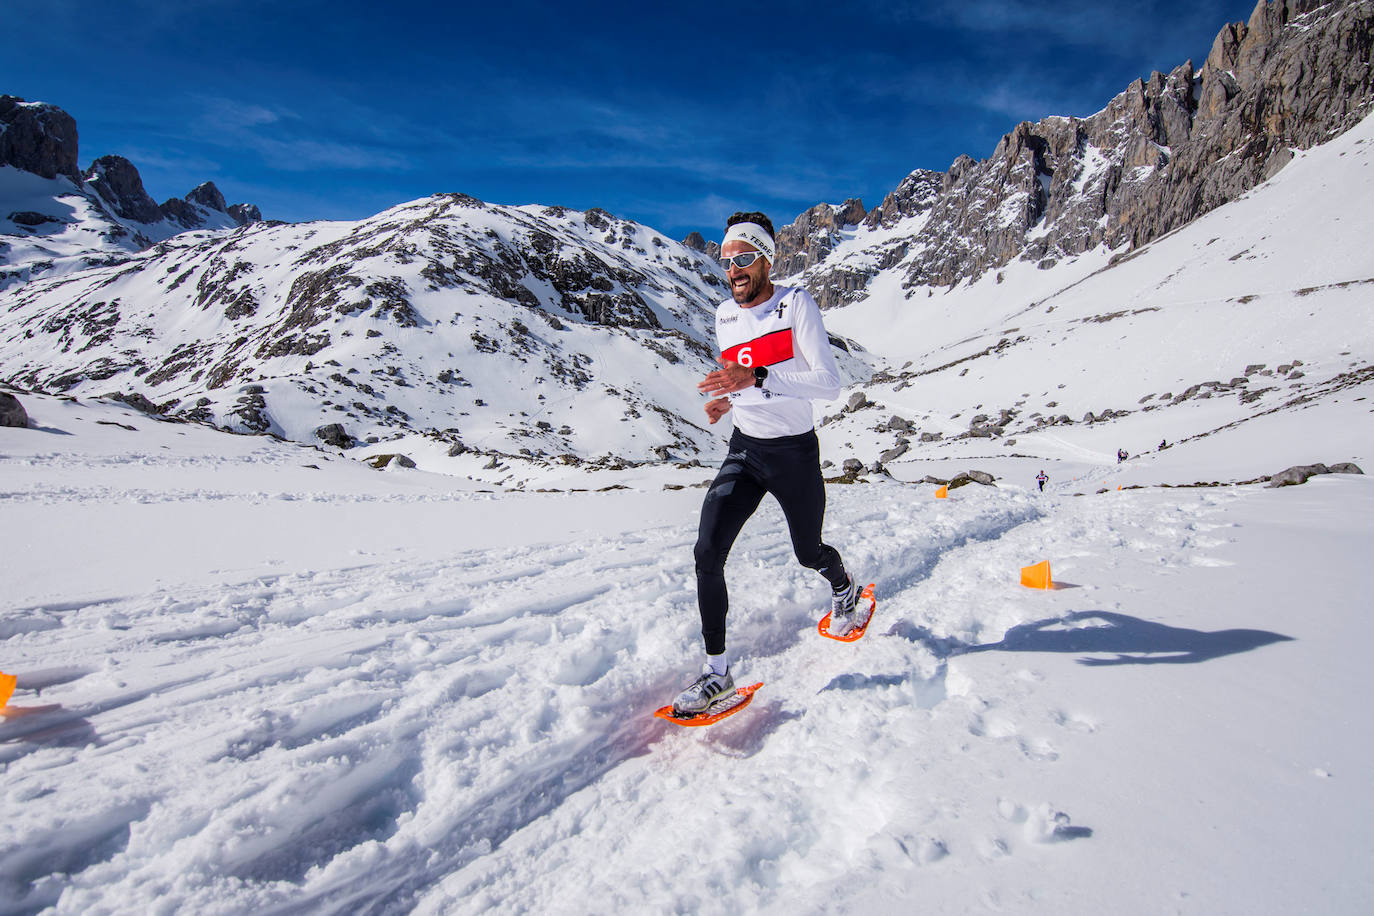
38, 138
384, 461
814, 234
915, 195
1300, 474
12, 413
207, 195
1163, 152
695, 242
334, 434
183, 210
121, 187
244, 214
963, 478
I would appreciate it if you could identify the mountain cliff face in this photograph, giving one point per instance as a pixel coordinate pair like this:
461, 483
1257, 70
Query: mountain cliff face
1160, 154
121, 187
37, 138
55, 217
813, 235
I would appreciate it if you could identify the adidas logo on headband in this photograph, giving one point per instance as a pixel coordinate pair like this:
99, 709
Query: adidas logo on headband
755, 235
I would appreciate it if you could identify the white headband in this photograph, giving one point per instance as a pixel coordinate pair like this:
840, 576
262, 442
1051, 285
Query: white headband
755, 235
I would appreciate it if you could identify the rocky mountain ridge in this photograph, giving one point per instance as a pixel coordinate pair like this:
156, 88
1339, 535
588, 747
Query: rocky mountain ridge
1163, 152
119, 184
57, 212
1241, 330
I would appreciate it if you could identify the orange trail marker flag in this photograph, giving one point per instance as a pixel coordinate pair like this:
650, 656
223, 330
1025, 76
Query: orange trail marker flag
1037, 576
942, 493
7, 682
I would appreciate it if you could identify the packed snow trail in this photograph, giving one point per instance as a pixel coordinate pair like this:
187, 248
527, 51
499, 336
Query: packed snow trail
350, 737
475, 733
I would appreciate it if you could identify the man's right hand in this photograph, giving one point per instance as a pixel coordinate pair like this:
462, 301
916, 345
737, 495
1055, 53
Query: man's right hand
717, 408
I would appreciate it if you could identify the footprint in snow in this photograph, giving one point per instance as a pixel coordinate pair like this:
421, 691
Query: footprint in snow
1074, 722
1041, 823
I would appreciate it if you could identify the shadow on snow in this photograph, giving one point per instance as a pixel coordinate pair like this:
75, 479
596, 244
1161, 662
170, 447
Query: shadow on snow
1130, 640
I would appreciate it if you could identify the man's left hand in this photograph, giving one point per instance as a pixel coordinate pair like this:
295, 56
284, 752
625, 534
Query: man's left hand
731, 377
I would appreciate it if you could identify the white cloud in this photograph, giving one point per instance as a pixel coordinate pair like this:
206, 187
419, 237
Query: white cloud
228, 114
273, 135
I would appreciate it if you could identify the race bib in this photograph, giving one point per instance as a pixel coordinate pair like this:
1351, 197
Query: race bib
762, 351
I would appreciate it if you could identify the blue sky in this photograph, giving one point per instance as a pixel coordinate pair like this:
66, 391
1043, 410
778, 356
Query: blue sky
674, 116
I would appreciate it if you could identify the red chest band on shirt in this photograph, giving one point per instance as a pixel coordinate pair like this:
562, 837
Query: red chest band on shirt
762, 351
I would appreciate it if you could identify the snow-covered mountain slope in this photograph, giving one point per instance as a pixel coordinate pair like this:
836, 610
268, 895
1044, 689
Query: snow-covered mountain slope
511, 344
464, 334
1239, 335
254, 677
52, 227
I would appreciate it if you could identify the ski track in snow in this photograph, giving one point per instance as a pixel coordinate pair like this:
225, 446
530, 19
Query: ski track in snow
449, 736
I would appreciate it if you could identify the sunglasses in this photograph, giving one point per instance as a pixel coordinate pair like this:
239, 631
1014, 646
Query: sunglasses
741, 260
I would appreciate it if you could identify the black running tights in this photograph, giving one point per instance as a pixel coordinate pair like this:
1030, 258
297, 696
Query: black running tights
790, 469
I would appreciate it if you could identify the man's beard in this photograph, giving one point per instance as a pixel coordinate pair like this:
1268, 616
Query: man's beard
750, 291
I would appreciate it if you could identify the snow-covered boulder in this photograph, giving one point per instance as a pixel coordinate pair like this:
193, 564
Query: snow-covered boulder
1301, 473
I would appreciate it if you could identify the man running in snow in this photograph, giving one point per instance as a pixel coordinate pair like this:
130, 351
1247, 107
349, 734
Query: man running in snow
775, 359
1040, 479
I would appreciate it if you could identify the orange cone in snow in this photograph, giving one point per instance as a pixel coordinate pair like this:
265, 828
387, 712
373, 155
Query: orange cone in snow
1037, 576
942, 493
7, 682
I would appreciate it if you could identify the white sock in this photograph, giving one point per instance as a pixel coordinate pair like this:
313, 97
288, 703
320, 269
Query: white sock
719, 663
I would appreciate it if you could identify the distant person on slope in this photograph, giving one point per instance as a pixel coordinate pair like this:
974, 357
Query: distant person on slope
775, 359
1040, 479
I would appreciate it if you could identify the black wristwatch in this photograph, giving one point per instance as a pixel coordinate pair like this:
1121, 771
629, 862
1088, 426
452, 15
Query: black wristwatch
760, 374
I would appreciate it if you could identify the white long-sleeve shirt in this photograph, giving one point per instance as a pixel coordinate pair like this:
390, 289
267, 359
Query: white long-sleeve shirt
785, 334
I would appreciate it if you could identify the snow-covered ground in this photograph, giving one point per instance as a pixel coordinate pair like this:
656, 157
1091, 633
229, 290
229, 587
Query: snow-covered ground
254, 677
